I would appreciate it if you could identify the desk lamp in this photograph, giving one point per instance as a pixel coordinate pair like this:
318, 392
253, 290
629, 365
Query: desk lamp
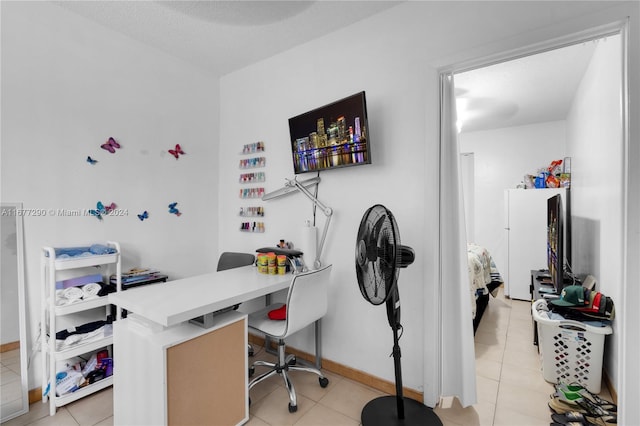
289, 187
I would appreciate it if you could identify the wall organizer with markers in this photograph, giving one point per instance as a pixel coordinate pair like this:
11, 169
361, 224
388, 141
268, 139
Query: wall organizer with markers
252, 192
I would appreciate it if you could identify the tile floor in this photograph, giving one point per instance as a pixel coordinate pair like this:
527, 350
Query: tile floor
511, 390
10, 379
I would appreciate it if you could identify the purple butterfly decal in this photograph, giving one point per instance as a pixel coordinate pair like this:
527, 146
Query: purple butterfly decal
110, 207
176, 152
110, 145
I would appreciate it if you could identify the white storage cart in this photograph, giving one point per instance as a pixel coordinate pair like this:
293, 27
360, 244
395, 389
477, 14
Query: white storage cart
54, 318
571, 351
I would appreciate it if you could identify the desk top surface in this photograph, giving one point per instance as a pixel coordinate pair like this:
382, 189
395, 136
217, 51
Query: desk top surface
177, 301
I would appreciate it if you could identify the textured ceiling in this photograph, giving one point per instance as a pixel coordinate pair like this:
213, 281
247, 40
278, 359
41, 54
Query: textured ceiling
532, 89
223, 36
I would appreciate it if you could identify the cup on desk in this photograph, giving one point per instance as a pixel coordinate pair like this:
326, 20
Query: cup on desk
282, 264
263, 263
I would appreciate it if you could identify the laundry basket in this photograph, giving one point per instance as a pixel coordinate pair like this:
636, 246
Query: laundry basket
571, 351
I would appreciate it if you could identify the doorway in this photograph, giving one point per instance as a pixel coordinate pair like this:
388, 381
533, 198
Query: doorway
509, 111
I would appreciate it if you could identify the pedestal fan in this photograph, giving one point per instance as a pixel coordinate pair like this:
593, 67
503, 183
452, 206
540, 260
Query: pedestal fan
379, 255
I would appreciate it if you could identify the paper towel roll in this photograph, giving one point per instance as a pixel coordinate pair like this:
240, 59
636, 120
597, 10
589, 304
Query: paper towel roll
308, 245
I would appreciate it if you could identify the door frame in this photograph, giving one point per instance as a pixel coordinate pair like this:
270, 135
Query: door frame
433, 392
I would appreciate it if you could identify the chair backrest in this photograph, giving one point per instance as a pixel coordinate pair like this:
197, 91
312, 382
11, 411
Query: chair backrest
307, 299
230, 260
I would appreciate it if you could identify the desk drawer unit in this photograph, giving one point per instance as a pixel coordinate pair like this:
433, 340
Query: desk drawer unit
183, 374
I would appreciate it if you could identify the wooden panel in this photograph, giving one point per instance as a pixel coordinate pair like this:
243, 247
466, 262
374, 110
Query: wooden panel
206, 378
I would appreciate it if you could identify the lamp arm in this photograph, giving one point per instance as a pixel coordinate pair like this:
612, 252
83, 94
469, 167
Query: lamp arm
328, 212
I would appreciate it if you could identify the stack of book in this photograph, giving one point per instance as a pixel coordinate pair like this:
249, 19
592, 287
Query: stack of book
139, 276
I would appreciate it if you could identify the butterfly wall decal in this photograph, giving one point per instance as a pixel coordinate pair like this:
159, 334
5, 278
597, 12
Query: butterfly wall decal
91, 160
176, 152
143, 216
110, 145
101, 210
96, 213
108, 208
173, 209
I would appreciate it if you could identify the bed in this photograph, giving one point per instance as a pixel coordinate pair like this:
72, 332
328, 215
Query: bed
484, 279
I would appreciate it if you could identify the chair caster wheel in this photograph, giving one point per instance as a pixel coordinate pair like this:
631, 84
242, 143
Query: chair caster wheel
251, 352
293, 408
252, 370
324, 382
292, 361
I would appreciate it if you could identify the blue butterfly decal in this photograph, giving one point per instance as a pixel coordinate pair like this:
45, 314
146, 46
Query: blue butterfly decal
144, 215
91, 160
96, 213
173, 210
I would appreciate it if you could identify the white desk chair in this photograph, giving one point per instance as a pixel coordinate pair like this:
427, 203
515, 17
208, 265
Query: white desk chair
306, 303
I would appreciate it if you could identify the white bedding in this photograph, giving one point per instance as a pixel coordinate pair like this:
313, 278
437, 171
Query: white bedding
482, 271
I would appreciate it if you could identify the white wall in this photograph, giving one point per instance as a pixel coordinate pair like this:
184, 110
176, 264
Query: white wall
69, 84
595, 142
502, 158
397, 67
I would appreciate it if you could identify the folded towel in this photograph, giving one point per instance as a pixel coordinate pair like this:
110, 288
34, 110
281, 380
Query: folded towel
62, 301
73, 293
91, 291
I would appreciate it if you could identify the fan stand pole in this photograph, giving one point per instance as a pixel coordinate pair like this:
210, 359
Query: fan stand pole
398, 370
380, 411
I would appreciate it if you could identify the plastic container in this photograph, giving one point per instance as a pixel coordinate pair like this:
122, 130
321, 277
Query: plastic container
571, 351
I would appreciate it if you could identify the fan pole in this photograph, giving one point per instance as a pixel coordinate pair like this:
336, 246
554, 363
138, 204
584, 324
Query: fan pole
398, 371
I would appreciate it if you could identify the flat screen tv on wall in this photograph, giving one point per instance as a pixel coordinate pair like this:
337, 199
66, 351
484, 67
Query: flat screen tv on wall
333, 136
555, 241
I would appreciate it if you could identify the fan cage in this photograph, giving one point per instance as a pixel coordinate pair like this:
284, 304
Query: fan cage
377, 254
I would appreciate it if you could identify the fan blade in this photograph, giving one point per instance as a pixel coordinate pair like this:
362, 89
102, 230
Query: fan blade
376, 281
375, 233
361, 253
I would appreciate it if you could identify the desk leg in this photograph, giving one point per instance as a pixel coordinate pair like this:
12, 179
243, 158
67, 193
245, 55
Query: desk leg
317, 327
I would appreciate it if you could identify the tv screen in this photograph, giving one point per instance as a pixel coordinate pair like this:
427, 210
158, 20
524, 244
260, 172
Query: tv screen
555, 241
335, 135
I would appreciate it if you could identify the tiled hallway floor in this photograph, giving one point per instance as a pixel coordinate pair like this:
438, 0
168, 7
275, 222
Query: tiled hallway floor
511, 389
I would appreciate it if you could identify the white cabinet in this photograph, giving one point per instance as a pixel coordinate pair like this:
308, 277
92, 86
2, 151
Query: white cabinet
526, 228
181, 374
63, 315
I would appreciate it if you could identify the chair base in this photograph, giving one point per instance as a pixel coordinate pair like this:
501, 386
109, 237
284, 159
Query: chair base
285, 364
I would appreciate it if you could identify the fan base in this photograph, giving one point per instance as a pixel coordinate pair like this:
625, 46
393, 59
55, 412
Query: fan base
383, 411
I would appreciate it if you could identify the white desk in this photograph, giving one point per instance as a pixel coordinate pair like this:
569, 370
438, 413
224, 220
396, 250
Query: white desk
178, 301
158, 326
